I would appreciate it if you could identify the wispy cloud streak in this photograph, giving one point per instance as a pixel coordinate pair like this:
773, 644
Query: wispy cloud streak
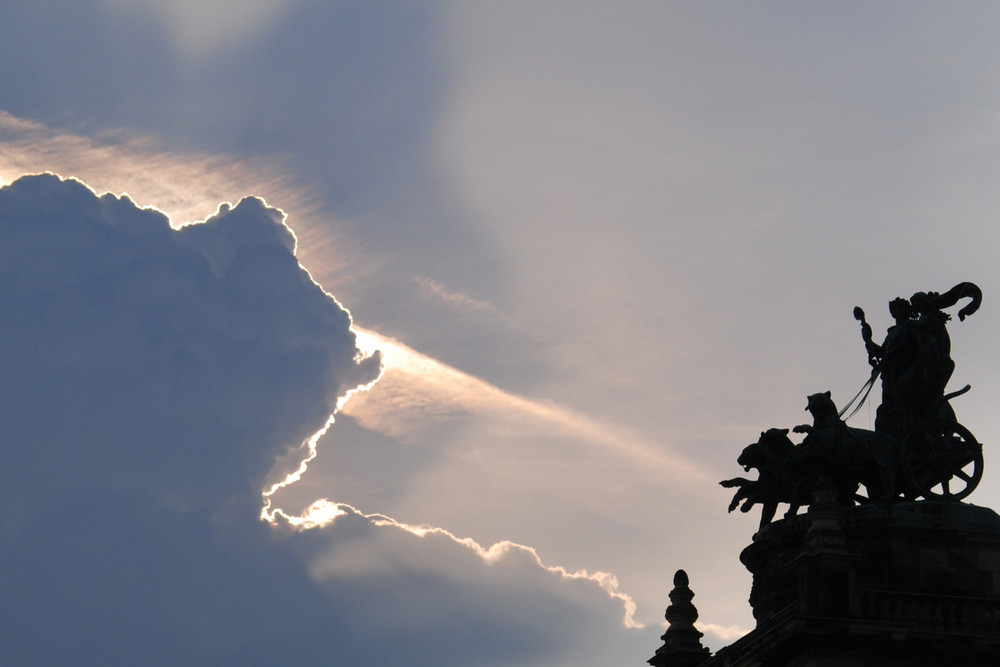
420, 380
452, 297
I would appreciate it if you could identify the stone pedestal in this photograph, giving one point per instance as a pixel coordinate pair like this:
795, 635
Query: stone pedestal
911, 584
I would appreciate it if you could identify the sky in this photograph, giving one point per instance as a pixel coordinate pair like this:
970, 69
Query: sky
422, 332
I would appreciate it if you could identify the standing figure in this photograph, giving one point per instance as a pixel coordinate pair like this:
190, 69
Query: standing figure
895, 360
914, 360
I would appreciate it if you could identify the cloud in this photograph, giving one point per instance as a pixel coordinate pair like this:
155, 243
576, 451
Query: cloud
416, 394
439, 450
150, 379
456, 299
183, 361
343, 96
323, 513
416, 389
543, 611
189, 184
725, 634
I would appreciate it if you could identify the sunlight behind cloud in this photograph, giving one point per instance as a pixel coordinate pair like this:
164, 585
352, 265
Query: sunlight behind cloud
186, 188
414, 383
321, 512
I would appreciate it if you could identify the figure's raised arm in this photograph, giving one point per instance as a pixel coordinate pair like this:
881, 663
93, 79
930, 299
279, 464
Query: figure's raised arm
874, 349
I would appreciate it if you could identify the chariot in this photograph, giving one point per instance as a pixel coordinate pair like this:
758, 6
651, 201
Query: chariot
917, 450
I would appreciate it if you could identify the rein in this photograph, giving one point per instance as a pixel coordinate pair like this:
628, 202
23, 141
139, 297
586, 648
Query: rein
862, 394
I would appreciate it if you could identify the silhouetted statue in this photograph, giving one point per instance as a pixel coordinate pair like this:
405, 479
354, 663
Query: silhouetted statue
918, 448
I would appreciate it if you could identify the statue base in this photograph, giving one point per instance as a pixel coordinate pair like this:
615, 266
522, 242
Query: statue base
908, 584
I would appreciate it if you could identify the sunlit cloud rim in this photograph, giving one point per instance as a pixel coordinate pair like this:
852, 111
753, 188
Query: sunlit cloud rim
324, 512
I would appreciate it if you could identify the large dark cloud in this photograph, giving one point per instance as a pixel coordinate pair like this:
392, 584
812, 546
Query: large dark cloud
177, 362
149, 377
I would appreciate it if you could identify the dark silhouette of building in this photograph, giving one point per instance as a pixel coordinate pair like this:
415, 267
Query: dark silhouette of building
911, 585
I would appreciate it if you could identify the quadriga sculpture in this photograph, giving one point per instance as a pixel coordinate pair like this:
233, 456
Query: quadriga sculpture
917, 450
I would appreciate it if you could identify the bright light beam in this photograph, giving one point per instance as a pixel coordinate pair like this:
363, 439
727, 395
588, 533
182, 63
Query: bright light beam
437, 383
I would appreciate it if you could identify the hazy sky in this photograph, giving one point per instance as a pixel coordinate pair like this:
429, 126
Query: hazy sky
599, 246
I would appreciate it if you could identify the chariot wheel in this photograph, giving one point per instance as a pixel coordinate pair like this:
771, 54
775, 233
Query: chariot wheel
941, 461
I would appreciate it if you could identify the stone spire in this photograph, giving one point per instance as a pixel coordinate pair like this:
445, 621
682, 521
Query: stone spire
681, 642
